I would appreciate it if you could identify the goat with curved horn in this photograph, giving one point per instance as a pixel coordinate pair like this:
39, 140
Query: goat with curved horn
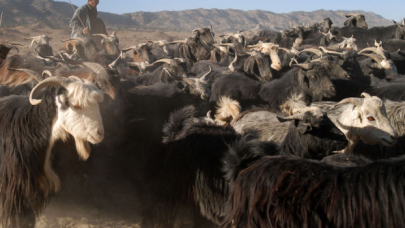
312, 50
51, 81
299, 116
399, 25
176, 77
129, 48
102, 35
75, 38
204, 77
114, 34
293, 60
329, 52
113, 65
351, 100
178, 42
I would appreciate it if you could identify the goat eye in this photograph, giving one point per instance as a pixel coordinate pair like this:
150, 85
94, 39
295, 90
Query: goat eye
370, 118
77, 107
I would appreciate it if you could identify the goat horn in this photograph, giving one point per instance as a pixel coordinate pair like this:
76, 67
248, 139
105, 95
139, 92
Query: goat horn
208, 114
365, 95
178, 42
69, 59
47, 72
177, 78
51, 81
329, 52
373, 49
347, 16
32, 73
227, 44
32, 38
180, 59
134, 63
129, 48
76, 38
304, 66
114, 34
315, 51
351, 100
49, 57
255, 46
373, 56
1, 18
284, 49
168, 61
397, 24
103, 35
299, 116
113, 65
203, 78
293, 60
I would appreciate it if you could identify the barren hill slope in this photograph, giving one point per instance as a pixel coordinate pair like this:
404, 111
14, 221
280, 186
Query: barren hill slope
57, 15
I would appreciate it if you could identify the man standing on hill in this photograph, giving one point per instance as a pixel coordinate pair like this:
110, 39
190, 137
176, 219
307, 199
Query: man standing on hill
85, 22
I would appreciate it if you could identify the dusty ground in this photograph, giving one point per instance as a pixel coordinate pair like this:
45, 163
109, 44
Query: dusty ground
90, 198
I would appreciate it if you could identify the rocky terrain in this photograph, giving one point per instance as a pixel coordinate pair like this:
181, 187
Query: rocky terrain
56, 15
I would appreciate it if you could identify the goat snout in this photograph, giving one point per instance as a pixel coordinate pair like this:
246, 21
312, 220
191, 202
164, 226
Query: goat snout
100, 133
389, 141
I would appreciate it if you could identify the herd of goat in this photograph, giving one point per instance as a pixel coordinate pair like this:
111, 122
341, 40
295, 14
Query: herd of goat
299, 128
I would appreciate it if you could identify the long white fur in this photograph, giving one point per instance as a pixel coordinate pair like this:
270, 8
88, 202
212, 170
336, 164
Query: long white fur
82, 120
227, 110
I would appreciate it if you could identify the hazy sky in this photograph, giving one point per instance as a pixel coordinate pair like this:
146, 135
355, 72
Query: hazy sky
393, 9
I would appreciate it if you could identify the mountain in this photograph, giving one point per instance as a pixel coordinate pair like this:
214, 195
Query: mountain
57, 15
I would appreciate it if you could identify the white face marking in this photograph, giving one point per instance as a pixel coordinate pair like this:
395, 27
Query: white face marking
79, 115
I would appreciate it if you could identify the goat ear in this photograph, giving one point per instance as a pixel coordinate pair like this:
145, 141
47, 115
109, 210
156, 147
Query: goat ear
214, 57
249, 64
304, 127
302, 75
63, 102
348, 22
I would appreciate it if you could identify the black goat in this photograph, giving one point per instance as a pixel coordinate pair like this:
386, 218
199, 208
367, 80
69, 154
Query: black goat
191, 172
294, 192
310, 79
30, 127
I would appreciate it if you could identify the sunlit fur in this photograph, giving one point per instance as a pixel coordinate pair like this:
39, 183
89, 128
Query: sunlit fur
28, 133
227, 110
294, 103
85, 123
292, 192
353, 121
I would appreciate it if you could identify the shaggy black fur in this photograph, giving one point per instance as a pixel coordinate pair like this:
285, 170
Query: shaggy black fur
366, 37
24, 139
392, 91
294, 192
312, 138
191, 171
313, 83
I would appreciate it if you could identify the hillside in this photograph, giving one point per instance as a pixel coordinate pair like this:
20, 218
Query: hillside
56, 15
